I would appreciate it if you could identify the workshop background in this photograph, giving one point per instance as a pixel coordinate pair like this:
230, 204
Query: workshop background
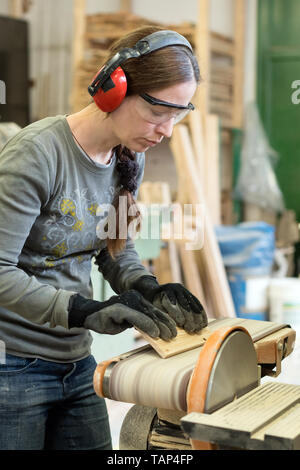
236, 157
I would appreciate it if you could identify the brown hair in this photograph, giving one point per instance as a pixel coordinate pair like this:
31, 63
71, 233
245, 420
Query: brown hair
155, 71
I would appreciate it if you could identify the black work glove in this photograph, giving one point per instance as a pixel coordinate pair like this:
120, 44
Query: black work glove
176, 300
119, 313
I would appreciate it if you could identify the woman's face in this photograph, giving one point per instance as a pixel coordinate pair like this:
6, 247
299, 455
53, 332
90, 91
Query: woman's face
140, 125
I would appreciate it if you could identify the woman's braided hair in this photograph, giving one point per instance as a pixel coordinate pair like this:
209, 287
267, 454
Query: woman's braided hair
127, 168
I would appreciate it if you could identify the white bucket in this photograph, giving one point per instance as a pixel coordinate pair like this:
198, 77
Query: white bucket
284, 298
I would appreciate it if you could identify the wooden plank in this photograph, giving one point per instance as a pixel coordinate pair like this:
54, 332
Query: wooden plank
79, 25
238, 88
162, 268
155, 192
215, 277
257, 329
192, 280
287, 232
183, 195
126, 5
207, 153
202, 49
174, 262
159, 192
183, 342
227, 215
198, 139
212, 188
185, 160
16, 8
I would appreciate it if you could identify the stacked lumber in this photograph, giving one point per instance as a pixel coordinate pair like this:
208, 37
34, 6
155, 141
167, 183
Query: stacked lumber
101, 30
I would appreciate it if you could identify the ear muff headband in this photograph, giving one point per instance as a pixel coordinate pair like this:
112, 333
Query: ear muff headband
109, 85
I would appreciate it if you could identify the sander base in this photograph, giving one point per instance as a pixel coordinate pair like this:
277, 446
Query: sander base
267, 418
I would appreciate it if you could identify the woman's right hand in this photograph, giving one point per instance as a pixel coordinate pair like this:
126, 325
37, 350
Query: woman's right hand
120, 312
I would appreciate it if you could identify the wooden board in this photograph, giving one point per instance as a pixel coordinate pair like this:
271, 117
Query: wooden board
196, 125
202, 48
239, 53
183, 196
212, 189
162, 268
260, 332
192, 280
183, 342
174, 262
215, 282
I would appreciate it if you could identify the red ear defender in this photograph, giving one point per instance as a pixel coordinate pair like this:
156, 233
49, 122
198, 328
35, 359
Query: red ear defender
109, 85
111, 99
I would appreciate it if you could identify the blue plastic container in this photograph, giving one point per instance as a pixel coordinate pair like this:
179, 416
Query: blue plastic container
248, 254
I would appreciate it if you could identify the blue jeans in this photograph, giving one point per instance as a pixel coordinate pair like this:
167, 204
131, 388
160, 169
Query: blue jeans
47, 405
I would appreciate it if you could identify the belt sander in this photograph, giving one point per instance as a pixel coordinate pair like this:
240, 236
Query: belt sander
203, 391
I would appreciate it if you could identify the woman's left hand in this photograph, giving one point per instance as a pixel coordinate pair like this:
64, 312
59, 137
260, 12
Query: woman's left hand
176, 300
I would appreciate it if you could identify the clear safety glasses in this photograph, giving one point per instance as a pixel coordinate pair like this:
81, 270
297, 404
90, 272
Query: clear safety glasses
157, 111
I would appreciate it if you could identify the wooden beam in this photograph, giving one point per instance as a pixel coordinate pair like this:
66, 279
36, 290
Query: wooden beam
197, 133
205, 135
238, 80
155, 192
202, 47
126, 5
16, 8
216, 284
212, 188
79, 26
162, 267
174, 262
183, 196
192, 280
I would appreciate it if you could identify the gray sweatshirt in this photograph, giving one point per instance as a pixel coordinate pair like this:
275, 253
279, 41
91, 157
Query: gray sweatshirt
52, 198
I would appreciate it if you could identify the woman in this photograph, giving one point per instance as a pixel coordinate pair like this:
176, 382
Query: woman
58, 178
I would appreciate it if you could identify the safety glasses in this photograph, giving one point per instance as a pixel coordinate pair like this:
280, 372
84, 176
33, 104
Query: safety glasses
158, 111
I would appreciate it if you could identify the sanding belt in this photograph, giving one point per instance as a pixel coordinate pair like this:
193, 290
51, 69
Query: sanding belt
144, 378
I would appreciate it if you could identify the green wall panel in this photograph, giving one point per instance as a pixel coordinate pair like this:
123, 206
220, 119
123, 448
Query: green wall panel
278, 68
